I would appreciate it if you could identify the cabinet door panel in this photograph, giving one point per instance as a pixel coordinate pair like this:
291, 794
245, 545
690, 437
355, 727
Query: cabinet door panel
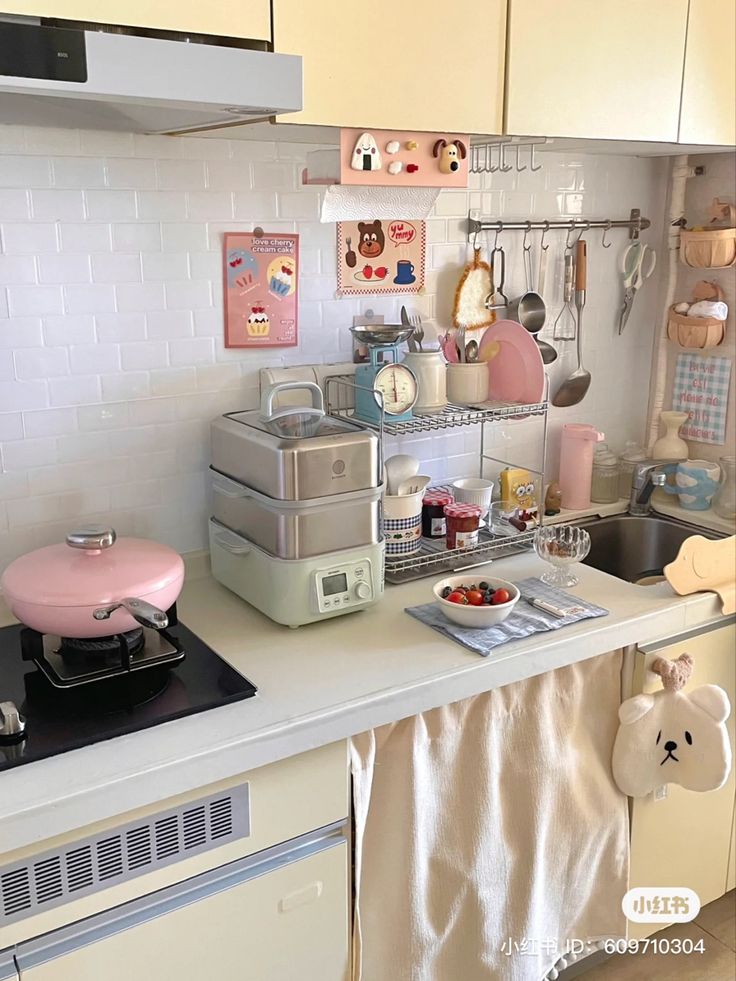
708, 114
226, 18
685, 839
596, 70
291, 922
407, 66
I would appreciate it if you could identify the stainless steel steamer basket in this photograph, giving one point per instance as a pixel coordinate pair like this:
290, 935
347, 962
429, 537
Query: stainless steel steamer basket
298, 529
295, 453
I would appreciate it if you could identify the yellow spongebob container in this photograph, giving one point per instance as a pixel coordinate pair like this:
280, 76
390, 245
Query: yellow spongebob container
519, 491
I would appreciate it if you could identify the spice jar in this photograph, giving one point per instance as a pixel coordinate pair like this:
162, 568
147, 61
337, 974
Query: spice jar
434, 523
463, 522
604, 486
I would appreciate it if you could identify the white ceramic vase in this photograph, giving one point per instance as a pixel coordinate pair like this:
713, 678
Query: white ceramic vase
671, 446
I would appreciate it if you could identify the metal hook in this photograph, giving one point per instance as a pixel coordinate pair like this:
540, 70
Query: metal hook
475, 238
531, 160
542, 246
519, 168
491, 168
569, 246
503, 166
499, 229
606, 245
525, 247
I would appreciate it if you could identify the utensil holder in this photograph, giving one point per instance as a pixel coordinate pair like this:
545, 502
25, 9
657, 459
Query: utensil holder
402, 523
709, 249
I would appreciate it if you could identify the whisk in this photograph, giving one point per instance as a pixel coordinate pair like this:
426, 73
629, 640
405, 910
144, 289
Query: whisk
565, 324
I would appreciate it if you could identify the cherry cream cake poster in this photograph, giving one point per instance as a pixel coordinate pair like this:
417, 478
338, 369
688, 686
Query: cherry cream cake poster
380, 257
261, 289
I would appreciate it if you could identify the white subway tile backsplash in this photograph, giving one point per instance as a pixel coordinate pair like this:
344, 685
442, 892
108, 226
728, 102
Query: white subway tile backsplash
139, 297
24, 171
30, 239
116, 267
28, 301
110, 205
69, 329
17, 269
130, 172
89, 298
63, 268
161, 205
86, 237
136, 237
140, 272
15, 205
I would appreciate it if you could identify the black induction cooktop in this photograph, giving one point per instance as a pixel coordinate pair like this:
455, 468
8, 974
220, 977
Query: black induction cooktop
58, 719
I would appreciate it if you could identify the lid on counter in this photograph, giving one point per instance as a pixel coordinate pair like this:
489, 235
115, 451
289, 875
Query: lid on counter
462, 510
299, 424
582, 430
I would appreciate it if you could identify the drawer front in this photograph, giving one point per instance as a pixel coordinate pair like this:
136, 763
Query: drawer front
285, 800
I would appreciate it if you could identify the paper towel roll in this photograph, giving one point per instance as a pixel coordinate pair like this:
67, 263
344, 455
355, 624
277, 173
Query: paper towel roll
342, 202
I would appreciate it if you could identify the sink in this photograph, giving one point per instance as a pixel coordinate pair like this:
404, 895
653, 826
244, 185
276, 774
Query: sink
634, 548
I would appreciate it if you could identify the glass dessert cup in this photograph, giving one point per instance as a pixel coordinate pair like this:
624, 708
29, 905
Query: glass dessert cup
561, 546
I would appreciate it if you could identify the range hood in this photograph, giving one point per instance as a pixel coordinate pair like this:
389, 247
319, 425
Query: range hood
87, 79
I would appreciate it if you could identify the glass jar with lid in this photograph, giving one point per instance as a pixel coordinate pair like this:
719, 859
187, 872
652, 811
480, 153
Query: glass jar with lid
724, 501
604, 488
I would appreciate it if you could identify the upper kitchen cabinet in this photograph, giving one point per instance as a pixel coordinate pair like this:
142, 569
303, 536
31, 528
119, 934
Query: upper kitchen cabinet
596, 70
434, 66
708, 114
226, 18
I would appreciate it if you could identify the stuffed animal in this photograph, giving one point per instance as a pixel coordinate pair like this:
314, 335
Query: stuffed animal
673, 736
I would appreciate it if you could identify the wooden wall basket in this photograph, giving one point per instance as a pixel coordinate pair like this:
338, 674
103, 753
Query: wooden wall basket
709, 249
697, 332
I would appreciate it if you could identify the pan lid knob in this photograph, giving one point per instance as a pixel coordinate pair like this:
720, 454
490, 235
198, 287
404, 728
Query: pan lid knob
92, 538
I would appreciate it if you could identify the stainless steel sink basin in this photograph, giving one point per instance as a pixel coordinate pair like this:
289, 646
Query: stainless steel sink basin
633, 548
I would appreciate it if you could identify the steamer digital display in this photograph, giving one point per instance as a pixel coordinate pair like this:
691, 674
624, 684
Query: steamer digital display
334, 584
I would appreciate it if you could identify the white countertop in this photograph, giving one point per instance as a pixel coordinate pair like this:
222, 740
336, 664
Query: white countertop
317, 684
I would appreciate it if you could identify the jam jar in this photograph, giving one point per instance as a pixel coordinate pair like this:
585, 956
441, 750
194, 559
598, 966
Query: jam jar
463, 522
434, 524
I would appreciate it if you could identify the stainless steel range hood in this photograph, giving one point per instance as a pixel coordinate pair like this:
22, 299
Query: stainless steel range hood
93, 80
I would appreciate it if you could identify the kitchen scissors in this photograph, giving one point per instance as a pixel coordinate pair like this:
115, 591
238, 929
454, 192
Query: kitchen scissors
635, 270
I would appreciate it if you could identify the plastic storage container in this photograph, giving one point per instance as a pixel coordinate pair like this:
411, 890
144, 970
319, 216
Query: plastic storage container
576, 464
604, 485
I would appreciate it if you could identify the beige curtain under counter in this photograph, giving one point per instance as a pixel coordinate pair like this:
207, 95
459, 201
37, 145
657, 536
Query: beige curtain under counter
487, 822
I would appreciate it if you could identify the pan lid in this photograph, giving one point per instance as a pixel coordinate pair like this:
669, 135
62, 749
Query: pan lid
297, 423
93, 566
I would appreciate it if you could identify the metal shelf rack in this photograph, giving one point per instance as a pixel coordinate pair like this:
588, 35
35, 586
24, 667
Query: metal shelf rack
434, 558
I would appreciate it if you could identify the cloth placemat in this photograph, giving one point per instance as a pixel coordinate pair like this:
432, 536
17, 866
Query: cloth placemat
524, 620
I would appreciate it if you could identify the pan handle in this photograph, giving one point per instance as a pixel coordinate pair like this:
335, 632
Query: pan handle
142, 612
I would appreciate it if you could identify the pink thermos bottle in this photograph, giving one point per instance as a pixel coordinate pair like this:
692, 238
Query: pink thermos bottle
576, 464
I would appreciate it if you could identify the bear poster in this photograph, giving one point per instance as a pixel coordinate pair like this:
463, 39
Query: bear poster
261, 289
380, 256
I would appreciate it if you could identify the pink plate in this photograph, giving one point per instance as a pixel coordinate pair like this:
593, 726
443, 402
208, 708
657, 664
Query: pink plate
516, 373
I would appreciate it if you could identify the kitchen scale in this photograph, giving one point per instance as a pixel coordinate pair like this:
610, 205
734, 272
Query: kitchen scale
384, 384
297, 591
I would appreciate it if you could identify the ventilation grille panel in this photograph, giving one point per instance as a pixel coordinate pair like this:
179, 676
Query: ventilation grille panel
120, 854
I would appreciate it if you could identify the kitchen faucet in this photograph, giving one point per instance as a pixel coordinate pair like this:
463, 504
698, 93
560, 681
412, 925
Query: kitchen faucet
647, 475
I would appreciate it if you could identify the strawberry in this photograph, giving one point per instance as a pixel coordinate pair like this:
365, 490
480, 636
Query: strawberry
381, 272
367, 271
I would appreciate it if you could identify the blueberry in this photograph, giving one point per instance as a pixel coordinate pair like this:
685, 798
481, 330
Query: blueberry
446, 592
484, 586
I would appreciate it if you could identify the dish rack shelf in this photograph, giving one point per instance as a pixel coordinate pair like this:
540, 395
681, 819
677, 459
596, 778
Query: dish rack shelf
434, 558
339, 403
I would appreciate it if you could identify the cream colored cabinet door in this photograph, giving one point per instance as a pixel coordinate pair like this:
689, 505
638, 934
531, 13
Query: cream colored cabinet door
708, 113
225, 18
288, 924
685, 838
397, 65
579, 68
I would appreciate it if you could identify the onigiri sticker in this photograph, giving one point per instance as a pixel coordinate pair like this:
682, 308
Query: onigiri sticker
261, 289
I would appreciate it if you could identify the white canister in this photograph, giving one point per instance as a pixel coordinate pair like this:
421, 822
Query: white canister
467, 384
430, 370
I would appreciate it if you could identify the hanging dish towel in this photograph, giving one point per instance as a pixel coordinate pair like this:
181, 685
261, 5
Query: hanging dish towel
469, 310
489, 833
523, 621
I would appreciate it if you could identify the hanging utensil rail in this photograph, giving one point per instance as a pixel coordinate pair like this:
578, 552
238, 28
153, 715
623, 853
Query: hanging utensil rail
635, 224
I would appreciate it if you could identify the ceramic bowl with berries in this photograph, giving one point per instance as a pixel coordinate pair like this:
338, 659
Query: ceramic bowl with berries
475, 602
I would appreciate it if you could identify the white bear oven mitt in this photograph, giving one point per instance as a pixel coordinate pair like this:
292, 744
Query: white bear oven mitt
673, 736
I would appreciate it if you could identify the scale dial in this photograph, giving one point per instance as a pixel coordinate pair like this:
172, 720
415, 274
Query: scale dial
398, 386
